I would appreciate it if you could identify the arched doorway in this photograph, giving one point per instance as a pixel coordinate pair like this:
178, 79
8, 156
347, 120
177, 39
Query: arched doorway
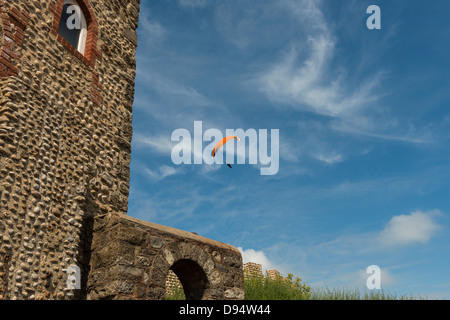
192, 277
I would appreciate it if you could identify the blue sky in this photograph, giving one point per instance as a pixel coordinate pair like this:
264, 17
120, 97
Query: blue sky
364, 125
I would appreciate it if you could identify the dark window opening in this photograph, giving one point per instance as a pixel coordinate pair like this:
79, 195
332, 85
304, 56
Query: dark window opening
71, 35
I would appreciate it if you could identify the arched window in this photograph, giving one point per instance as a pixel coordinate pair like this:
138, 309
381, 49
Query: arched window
73, 26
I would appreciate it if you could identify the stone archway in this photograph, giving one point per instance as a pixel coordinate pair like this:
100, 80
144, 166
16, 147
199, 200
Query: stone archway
195, 268
131, 259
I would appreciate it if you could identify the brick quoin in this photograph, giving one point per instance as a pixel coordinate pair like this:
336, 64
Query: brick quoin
12, 39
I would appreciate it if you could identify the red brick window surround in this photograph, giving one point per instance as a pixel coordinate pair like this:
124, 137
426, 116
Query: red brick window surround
90, 46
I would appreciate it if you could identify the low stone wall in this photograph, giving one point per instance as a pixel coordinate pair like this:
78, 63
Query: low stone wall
131, 260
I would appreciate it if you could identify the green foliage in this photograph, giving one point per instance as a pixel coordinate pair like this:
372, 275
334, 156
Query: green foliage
290, 288
357, 294
177, 294
265, 288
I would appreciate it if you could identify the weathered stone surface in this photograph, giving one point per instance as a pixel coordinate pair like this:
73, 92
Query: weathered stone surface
57, 109
65, 152
234, 294
195, 260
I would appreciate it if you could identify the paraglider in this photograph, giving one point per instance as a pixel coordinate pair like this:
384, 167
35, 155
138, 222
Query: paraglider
258, 150
221, 143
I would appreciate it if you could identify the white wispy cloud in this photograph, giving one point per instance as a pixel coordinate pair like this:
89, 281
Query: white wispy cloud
174, 92
308, 77
366, 127
416, 228
194, 3
159, 143
162, 172
420, 183
167, 206
305, 82
342, 260
331, 158
152, 29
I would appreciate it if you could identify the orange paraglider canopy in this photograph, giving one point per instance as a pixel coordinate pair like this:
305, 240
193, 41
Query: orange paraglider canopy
222, 142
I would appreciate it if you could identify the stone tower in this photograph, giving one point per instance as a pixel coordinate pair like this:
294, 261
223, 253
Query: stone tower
65, 145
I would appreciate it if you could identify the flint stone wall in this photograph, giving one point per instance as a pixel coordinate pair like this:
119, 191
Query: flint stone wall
65, 139
65, 151
132, 258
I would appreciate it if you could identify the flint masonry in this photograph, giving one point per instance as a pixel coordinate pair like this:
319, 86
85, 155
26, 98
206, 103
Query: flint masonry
65, 150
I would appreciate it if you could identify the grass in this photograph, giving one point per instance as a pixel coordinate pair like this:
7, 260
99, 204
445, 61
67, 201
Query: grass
176, 294
290, 288
260, 288
265, 288
358, 294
